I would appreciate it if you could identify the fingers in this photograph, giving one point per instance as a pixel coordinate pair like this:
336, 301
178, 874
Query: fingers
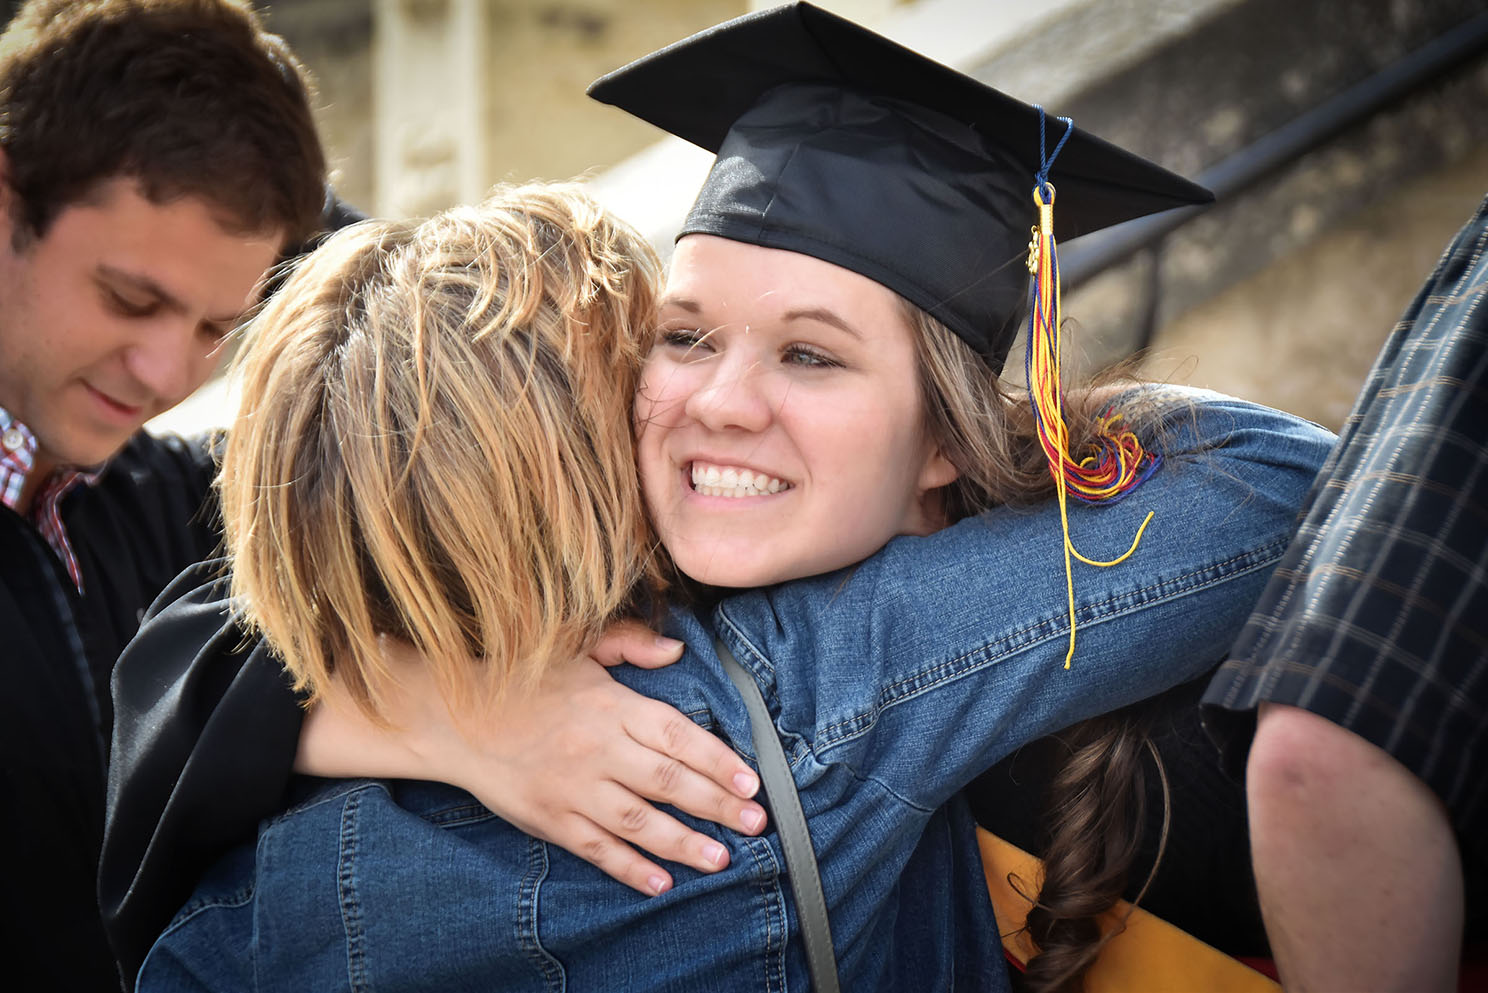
675, 761
614, 819
633, 642
605, 851
666, 730
632, 819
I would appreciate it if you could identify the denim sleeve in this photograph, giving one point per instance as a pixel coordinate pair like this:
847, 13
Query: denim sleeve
940, 655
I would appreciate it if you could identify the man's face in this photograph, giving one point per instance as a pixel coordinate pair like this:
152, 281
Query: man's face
116, 314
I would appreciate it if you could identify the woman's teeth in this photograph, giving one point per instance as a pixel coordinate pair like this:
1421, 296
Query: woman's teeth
731, 482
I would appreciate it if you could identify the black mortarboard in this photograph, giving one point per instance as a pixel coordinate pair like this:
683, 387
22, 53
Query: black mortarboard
835, 142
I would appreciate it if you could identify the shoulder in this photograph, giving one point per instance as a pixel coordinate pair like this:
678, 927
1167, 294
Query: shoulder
1188, 419
163, 461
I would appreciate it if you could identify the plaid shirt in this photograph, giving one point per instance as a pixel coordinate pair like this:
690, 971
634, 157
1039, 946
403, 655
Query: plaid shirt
17, 457
1377, 617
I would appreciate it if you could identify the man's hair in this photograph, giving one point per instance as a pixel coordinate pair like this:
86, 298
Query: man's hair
188, 97
435, 445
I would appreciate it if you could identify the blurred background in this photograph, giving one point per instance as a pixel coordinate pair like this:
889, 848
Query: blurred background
1348, 141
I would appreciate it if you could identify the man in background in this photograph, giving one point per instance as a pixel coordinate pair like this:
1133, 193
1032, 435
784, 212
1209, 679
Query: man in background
156, 157
1367, 660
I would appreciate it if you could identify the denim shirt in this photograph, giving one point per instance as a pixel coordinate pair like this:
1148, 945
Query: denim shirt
891, 685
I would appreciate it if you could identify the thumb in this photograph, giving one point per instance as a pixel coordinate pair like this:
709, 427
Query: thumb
631, 641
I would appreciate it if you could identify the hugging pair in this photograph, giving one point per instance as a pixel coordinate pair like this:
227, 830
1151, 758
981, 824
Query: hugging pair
460, 435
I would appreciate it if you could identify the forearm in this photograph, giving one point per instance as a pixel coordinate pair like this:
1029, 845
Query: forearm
1357, 865
416, 738
967, 631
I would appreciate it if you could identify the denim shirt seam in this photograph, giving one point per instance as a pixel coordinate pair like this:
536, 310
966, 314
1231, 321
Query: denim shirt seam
1028, 636
336, 795
229, 901
860, 777
794, 743
797, 745
236, 901
454, 815
1165, 590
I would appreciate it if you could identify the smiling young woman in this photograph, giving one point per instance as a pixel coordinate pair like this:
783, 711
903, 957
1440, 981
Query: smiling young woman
792, 369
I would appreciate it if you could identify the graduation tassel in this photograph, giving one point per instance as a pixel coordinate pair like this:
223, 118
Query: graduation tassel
1117, 463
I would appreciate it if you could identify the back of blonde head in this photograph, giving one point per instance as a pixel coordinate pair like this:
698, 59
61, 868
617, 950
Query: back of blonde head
435, 445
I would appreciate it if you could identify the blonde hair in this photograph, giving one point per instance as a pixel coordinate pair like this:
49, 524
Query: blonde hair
435, 445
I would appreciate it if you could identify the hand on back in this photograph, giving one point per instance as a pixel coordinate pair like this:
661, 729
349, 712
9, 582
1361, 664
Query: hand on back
578, 762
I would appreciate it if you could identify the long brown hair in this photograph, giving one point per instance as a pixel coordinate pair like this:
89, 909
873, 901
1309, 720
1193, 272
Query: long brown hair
1097, 801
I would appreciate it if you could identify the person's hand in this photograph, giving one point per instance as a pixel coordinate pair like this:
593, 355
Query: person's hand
576, 762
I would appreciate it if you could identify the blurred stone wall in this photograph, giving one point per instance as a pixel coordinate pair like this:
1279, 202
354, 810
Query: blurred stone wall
333, 38
1283, 293
537, 58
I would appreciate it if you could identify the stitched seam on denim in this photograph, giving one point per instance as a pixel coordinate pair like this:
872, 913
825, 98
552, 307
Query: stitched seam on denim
853, 771
187, 914
844, 730
753, 657
459, 816
772, 901
335, 795
237, 898
351, 908
526, 923
1020, 641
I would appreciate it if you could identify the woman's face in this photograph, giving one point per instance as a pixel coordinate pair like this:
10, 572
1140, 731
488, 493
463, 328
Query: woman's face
780, 424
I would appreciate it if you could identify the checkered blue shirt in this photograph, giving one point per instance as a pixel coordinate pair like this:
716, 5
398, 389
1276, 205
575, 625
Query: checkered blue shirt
1377, 617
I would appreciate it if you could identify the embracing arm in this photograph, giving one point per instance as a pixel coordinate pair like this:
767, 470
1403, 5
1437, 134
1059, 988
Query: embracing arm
939, 655
574, 762
208, 733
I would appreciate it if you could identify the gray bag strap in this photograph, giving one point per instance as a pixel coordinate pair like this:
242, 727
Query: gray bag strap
790, 822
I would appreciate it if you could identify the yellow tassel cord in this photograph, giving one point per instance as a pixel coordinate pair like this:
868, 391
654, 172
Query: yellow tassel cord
1121, 464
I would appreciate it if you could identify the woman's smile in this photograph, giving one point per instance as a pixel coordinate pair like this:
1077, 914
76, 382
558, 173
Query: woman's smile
780, 426
732, 482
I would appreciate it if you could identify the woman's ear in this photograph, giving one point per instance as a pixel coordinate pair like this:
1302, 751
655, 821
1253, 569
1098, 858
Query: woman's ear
937, 471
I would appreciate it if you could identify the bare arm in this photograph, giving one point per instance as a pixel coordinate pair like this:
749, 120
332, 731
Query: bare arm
1357, 866
577, 762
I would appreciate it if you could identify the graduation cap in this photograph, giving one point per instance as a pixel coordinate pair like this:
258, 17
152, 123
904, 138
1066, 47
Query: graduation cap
835, 142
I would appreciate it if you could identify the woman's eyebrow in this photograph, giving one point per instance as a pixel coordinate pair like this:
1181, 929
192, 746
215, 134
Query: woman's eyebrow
680, 303
823, 315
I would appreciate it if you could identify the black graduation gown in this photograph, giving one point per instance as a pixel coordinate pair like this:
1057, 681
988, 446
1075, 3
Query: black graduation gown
204, 746
132, 533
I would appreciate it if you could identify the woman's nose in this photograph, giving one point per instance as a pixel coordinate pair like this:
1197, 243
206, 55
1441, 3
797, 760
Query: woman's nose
732, 394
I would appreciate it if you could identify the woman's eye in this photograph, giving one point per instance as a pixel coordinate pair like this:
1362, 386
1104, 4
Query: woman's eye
811, 358
687, 340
